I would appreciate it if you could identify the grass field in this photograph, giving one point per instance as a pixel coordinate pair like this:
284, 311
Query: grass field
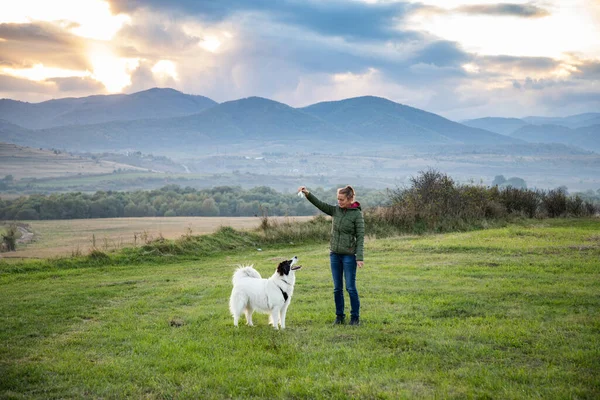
60, 238
510, 313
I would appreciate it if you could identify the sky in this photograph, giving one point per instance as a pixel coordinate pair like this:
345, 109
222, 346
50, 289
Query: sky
461, 59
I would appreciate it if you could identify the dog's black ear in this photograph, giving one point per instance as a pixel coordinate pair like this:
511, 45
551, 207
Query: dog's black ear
283, 268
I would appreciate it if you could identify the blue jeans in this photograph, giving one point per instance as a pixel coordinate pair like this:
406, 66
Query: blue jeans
344, 266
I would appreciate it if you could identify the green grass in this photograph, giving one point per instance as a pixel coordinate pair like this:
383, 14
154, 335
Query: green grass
508, 313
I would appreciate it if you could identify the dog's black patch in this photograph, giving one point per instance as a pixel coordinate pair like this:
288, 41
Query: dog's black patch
285, 295
284, 267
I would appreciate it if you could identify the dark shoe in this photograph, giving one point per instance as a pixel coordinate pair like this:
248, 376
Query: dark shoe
354, 321
339, 320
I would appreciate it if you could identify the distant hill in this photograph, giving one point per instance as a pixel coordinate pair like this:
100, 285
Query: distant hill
572, 121
12, 133
383, 120
503, 126
507, 126
586, 138
152, 103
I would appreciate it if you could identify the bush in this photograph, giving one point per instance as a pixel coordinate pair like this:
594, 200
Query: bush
434, 202
520, 201
9, 239
554, 203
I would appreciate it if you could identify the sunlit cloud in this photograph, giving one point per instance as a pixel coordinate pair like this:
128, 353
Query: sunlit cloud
165, 69
211, 44
87, 18
40, 73
470, 67
114, 72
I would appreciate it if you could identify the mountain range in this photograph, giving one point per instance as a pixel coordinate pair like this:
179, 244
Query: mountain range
159, 120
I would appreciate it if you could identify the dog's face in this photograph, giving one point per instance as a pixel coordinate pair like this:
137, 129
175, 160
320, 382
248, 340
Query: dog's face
285, 267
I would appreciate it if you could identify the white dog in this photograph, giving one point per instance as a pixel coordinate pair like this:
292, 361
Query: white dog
272, 296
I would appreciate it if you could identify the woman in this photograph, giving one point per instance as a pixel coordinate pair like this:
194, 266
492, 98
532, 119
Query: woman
346, 248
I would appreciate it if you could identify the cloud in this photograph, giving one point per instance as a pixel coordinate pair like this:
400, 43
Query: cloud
442, 53
151, 35
588, 70
77, 85
349, 19
25, 45
10, 84
521, 63
504, 9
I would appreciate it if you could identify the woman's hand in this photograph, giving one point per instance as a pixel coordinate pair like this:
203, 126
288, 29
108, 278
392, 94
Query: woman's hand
360, 264
303, 189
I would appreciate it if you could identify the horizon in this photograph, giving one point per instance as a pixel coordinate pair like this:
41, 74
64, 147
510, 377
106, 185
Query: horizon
460, 59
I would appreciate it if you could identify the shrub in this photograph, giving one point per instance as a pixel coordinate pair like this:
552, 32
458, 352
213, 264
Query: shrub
434, 202
575, 206
9, 239
520, 201
554, 203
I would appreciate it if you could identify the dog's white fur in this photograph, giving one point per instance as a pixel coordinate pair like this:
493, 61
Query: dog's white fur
253, 293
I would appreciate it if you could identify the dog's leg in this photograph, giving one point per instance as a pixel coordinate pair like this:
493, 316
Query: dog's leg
248, 310
283, 313
275, 317
235, 311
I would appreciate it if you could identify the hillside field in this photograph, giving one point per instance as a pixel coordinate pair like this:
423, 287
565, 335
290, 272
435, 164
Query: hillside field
61, 238
507, 313
26, 162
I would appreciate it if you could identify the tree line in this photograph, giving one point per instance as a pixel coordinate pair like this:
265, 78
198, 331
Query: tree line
170, 201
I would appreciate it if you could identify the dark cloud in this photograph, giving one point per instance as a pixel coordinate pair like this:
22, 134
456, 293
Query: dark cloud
441, 53
505, 9
521, 63
25, 45
353, 20
19, 85
530, 83
349, 19
34, 32
75, 84
588, 70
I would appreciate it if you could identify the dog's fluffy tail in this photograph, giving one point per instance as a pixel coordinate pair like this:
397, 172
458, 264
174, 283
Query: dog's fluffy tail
245, 272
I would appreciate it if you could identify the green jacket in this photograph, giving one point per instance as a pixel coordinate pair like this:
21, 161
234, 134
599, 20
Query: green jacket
347, 228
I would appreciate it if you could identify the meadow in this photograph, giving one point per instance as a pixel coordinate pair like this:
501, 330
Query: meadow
510, 312
61, 238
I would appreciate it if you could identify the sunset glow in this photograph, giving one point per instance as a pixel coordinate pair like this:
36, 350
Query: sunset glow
40, 73
87, 18
114, 72
165, 69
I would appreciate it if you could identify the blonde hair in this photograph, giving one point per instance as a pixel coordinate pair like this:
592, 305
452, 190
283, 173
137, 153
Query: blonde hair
347, 191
